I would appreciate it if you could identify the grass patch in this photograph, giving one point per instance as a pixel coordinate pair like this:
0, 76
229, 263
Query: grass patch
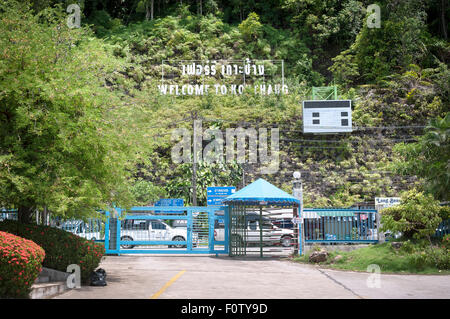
384, 255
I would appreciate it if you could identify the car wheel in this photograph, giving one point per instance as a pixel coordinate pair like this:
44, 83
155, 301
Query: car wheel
126, 238
286, 241
178, 238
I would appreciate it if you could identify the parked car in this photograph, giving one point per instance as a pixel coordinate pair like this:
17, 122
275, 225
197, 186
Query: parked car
286, 236
148, 230
271, 234
285, 227
89, 230
285, 223
388, 235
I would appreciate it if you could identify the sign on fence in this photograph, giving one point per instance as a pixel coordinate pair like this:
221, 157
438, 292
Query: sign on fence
215, 195
177, 202
384, 202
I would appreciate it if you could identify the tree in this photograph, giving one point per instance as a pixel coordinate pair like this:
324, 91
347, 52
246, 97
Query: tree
326, 26
398, 43
208, 174
417, 216
146, 193
64, 142
146, 6
429, 158
345, 69
251, 28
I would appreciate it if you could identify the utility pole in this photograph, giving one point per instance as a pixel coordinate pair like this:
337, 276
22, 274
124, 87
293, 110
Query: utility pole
194, 164
243, 174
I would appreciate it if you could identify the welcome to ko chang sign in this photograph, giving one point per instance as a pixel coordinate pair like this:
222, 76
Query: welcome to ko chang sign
222, 77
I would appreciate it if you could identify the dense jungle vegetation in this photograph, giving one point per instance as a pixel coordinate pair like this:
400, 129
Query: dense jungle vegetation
84, 126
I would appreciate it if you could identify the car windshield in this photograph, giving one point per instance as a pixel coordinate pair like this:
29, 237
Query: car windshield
134, 224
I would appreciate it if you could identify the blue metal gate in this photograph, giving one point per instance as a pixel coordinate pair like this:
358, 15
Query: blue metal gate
167, 230
340, 225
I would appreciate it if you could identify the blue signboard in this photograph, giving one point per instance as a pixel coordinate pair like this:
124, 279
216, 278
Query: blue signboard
215, 201
215, 195
170, 202
178, 202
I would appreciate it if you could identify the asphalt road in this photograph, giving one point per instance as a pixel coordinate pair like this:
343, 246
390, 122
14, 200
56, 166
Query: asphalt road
205, 277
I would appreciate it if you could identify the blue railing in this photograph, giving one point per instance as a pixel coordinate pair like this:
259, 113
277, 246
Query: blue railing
92, 229
443, 229
8, 214
340, 226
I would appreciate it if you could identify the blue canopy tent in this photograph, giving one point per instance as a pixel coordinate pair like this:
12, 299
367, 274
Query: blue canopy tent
259, 193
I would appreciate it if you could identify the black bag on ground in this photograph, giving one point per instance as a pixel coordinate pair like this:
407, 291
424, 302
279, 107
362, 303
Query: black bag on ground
98, 277
102, 272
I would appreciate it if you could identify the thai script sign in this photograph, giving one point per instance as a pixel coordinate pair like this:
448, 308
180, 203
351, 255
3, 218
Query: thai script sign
223, 77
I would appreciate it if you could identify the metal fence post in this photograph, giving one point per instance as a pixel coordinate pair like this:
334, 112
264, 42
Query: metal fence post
260, 232
298, 193
107, 231
119, 213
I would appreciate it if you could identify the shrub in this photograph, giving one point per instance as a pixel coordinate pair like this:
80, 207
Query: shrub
446, 242
432, 257
146, 193
20, 264
61, 247
251, 28
421, 254
416, 217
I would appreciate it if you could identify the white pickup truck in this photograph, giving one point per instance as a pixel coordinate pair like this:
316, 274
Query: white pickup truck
271, 234
149, 230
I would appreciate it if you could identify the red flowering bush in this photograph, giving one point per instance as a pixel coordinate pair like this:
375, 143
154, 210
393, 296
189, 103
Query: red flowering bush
20, 265
446, 242
61, 247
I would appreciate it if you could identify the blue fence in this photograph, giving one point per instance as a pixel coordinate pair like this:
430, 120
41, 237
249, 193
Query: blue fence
340, 226
151, 230
205, 229
8, 214
91, 229
443, 229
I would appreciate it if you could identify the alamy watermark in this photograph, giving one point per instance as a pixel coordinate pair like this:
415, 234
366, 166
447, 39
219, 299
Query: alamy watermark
374, 19
374, 279
74, 21
74, 18
74, 279
230, 148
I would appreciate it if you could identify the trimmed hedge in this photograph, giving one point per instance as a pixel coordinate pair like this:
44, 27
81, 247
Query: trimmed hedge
20, 265
61, 247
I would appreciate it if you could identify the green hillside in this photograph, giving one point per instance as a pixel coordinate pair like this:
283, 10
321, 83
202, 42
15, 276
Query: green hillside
397, 77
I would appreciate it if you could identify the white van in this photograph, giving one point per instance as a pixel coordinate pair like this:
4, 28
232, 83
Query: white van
148, 230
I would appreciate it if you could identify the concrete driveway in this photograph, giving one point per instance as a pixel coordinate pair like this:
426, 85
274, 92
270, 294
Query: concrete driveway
203, 277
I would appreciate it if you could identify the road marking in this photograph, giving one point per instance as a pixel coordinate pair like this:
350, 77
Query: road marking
167, 285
